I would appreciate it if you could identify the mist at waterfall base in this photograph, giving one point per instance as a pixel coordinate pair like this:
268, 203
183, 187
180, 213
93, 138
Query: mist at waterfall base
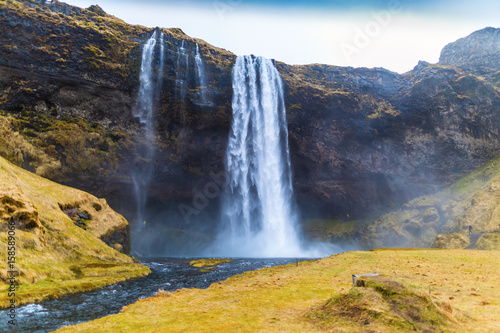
255, 214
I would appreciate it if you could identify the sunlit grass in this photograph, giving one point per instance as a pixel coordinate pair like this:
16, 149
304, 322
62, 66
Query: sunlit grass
281, 299
208, 262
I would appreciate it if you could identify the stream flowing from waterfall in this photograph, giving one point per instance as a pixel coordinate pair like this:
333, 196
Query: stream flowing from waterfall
167, 274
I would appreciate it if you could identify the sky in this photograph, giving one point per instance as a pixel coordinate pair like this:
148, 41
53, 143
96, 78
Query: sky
393, 34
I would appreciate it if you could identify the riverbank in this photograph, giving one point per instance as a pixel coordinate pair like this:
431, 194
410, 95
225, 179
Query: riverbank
92, 276
457, 285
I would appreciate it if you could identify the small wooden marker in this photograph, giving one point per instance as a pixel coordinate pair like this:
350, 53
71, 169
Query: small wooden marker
355, 276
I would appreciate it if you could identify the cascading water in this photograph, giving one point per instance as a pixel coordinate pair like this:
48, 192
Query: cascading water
200, 76
160, 67
258, 214
144, 105
181, 77
148, 93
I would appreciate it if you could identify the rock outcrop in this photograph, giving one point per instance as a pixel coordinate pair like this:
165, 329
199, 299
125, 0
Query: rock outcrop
362, 141
480, 50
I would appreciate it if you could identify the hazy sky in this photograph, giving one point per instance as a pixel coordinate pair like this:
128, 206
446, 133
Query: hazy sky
393, 34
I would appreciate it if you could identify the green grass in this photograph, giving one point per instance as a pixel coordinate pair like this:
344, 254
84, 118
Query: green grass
208, 262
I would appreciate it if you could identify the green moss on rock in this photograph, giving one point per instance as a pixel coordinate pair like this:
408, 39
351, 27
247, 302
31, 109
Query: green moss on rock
489, 241
451, 241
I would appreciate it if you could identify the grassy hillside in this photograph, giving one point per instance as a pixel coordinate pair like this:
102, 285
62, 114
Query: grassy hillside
422, 290
54, 255
439, 220
474, 200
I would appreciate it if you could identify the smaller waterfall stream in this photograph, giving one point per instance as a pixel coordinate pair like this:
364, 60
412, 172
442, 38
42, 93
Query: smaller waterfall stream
200, 75
181, 77
161, 66
149, 90
144, 105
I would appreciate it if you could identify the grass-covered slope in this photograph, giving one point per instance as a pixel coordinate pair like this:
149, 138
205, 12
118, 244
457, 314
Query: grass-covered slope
473, 200
54, 256
422, 290
439, 220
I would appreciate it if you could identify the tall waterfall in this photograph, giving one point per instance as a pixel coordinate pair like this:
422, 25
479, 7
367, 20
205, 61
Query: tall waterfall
147, 96
200, 75
258, 210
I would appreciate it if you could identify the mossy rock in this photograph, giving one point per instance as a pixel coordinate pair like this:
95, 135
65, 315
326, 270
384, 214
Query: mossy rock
380, 302
209, 263
489, 241
451, 241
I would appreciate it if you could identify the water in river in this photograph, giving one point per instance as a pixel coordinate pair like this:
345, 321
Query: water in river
167, 274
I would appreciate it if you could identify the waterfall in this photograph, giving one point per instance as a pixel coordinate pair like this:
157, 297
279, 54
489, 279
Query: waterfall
258, 211
159, 82
144, 105
200, 76
146, 97
181, 77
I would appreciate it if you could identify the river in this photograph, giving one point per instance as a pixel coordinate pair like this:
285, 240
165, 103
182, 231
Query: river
167, 274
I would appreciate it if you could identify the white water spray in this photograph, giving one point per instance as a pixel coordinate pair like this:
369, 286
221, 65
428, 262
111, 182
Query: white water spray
258, 211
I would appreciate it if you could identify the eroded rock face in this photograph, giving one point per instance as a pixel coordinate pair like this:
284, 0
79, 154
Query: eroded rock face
362, 141
17, 209
480, 49
374, 147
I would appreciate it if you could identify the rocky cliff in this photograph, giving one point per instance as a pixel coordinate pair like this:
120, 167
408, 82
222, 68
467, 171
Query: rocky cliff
480, 52
363, 141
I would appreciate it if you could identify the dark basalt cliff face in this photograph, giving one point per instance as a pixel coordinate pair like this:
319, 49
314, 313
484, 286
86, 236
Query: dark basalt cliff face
362, 140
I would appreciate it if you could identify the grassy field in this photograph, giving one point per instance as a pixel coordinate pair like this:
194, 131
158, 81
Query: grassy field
419, 289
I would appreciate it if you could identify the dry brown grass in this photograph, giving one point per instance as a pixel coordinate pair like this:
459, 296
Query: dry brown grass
279, 299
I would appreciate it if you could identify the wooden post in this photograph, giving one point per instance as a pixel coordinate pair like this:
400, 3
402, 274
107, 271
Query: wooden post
355, 276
